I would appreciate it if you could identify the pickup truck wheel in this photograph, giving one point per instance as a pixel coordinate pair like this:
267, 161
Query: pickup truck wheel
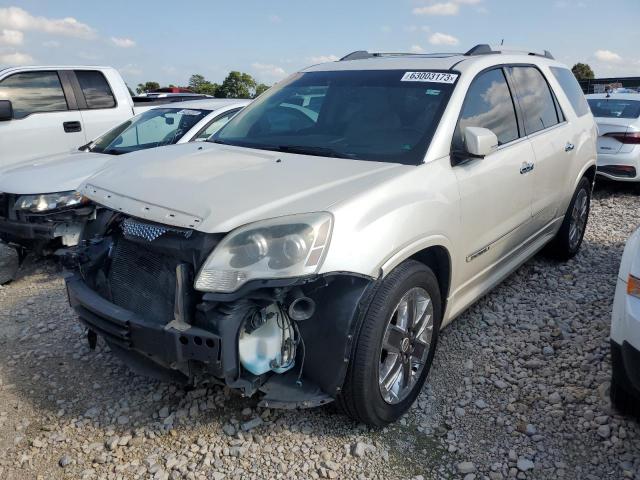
569, 238
395, 346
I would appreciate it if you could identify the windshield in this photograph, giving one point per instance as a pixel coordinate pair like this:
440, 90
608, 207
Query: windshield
153, 128
382, 115
614, 107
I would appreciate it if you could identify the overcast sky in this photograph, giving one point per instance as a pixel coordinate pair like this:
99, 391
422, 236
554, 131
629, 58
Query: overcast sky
167, 41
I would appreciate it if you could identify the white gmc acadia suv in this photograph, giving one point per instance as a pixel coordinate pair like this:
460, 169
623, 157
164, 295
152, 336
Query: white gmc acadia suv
315, 246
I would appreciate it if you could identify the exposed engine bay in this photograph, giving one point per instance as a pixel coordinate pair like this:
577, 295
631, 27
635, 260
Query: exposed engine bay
288, 338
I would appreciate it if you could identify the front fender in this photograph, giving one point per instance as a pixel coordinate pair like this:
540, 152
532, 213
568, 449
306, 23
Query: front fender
411, 248
381, 227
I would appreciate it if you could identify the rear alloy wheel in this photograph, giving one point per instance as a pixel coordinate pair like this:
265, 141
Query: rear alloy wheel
395, 346
568, 240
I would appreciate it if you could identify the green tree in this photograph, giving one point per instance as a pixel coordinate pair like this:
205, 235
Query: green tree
198, 84
260, 89
147, 87
237, 85
582, 71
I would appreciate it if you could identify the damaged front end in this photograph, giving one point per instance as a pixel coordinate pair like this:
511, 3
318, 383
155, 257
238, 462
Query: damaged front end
288, 338
44, 222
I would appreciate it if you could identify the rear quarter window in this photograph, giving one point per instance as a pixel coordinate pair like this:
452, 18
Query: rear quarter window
572, 90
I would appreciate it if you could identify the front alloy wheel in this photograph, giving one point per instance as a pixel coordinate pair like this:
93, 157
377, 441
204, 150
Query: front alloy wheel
394, 348
405, 345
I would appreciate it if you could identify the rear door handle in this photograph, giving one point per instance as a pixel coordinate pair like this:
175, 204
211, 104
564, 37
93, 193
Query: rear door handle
526, 167
569, 146
72, 127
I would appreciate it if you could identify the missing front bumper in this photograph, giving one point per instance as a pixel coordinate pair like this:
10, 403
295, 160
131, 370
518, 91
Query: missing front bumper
166, 345
209, 346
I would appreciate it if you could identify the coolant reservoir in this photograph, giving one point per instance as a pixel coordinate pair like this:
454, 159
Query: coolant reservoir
261, 350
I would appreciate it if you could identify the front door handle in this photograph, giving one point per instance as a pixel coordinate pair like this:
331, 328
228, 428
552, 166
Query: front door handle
72, 127
569, 146
526, 167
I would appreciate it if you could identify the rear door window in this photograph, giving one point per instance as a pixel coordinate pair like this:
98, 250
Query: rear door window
33, 92
572, 90
95, 89
488, 104
535, 99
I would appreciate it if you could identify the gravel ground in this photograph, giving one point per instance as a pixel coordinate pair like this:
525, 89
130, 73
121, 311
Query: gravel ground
519, 390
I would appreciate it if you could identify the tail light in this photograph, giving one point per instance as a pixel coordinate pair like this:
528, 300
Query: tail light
633, 286
625, 137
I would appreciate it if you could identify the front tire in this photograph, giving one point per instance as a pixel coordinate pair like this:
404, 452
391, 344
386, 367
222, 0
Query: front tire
568, 240
395, 346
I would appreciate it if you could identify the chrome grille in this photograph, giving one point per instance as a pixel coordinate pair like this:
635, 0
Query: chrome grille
136, 229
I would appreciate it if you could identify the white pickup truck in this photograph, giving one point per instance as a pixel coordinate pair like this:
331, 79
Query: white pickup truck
52, 109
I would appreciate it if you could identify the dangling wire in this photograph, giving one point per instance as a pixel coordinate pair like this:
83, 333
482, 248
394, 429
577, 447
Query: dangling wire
286, 327
304, 352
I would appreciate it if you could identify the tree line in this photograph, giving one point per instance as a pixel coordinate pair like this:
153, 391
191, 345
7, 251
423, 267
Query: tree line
583, 71
236, 85
243, 85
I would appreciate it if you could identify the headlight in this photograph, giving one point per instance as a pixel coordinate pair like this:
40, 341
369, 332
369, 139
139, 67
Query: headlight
49, 201
633, 286
282, 247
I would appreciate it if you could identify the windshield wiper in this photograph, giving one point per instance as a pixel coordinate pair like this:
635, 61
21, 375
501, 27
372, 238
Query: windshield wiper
311, 150
113, 151
300, 149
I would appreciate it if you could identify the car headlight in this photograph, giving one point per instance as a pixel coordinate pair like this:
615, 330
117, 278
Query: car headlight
49, 201
282, 247
633, 286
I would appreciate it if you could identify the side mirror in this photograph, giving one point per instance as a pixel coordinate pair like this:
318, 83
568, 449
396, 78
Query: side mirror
480, 142
6, 110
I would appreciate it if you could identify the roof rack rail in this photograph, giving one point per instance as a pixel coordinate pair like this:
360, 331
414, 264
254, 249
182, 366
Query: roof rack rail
485, 49
357, 55
363, 54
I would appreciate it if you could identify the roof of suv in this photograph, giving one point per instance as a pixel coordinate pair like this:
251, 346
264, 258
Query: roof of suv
483, 54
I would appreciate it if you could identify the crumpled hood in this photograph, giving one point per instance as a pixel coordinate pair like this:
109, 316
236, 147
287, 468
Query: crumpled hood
55, 173
216, 188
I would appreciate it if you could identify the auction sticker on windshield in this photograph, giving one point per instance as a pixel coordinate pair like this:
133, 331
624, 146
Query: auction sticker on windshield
434, 77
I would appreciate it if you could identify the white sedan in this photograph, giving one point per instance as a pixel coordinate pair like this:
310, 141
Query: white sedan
618, 119
625, 332
38, 198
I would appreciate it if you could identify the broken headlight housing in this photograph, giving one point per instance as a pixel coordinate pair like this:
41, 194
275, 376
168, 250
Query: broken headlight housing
283, 247
49, 201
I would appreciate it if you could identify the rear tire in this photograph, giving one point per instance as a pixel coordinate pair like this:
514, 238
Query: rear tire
394, 348
569, 238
